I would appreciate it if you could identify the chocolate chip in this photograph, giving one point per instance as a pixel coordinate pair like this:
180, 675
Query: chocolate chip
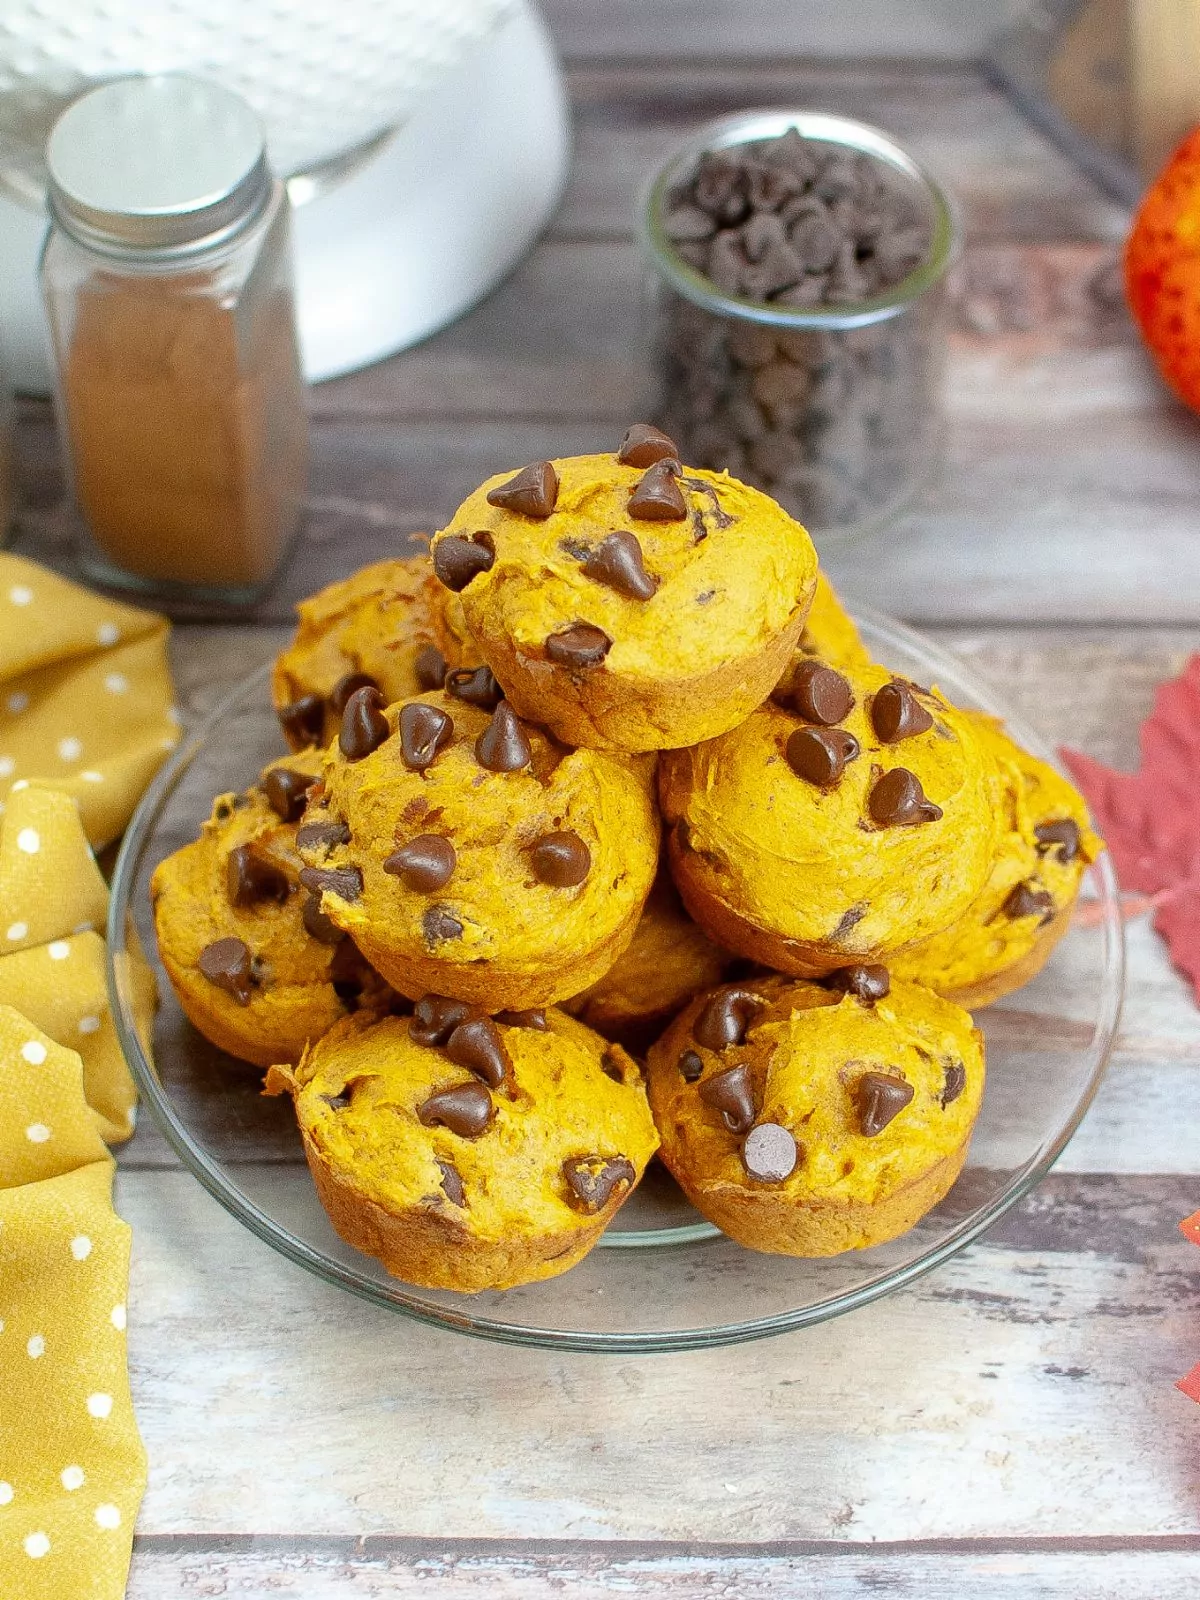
340, 694
770, 1153
720, 517
322, 835
251, 877
429, 667
897, 714
347, 972
1060, 839
424, 730
691, 1066
227, 964
717, 186
317, 925
503, 746
644, 444
303, 721
820, 755
868, 983
898, 801
617, 562
820, 694
435, 1018
729, 1093
364, 726
686, 225
424, 864
533, 492
850, 918
725, 1016
478, 1046
1026, 900
475, 686
286, 792
656, 496
880, 1098
457, 560
439, 926
956, 1082
561, 860
593, 1180
524, 1019
344, 882
466, 1109
610, 1066
580, 645
452, 1184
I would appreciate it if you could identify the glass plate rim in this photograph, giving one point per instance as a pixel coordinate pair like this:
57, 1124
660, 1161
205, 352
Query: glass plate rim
239, 1205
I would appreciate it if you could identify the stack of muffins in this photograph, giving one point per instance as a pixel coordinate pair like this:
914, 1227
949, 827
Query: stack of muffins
445, 925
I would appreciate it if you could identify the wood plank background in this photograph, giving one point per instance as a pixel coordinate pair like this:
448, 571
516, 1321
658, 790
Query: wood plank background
1007, 1428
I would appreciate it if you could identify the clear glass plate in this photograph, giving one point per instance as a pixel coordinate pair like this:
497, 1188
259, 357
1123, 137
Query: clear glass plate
661, 1278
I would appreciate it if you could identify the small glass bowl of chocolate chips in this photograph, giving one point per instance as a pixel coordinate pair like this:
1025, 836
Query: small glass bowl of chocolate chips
799, 265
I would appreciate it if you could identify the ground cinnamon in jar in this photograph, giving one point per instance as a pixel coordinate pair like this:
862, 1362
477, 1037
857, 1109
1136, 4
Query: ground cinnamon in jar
180, 396
188, 453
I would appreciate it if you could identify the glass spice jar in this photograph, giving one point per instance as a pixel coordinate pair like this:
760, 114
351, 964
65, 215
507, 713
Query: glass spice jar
167, 281
798, 264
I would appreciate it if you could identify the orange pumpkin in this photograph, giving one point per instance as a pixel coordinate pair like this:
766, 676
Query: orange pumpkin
1162, 270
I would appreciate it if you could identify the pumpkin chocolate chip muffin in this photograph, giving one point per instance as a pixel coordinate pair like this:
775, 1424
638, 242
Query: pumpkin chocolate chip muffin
840, 826
470, 1153
386, 626
806, 1120
625, 601
1005, 936
669, 960
469, 854
257, 968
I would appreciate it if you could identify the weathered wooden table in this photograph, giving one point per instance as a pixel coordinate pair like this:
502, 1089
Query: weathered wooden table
1006, 1428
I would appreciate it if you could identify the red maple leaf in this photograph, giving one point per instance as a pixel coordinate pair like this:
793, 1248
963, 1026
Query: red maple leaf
1150, 819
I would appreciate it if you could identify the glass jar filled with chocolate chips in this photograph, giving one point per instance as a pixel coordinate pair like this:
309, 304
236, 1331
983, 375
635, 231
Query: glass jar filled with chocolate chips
799, 294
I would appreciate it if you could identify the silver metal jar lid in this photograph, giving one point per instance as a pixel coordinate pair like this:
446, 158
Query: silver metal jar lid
165, 165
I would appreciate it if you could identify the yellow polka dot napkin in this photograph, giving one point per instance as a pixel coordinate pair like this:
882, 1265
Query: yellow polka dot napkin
53, 906
85, 721
85, 695
72, 1466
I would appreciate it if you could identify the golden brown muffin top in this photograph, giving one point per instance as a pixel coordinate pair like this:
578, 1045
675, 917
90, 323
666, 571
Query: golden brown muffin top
863, 1095
672, 571
535, 1153
381, 624
469, 835
230, 908
867, 818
